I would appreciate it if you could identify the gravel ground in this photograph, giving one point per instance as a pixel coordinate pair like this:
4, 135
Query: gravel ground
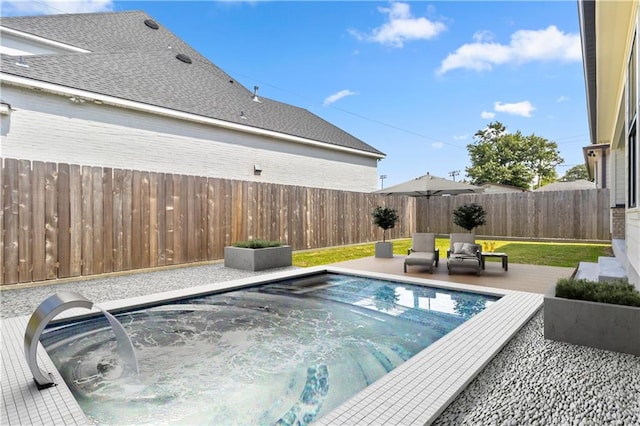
532, 381
23, 301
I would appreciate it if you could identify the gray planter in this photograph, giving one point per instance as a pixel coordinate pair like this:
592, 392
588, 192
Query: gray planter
597, 325
384, 249
257, 259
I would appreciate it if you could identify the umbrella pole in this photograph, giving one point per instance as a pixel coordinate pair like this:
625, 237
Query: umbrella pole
428, 227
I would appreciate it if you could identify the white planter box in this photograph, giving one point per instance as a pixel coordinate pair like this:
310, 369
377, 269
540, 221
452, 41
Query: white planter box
384, 249
257, 259
597, 325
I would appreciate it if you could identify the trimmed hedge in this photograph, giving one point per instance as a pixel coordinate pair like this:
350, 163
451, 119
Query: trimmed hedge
617, 292
256, 244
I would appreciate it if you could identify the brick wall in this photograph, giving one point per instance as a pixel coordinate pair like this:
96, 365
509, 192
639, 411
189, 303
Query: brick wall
617, 222
46, 127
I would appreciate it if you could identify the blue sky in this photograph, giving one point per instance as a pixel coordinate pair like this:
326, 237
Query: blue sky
414, 79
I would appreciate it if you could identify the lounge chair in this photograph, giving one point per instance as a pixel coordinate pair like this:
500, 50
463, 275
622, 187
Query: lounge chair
423, 252
464, 253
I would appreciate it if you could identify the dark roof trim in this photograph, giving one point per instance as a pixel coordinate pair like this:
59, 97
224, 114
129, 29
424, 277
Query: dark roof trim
587, 15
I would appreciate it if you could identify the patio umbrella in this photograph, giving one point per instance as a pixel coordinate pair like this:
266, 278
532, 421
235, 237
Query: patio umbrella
429, 186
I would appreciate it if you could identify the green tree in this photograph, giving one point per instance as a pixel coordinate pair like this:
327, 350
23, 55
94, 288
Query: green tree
498, 156
385, 218
469, 216
576, 173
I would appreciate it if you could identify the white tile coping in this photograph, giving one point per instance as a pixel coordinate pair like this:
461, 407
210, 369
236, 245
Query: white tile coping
416, 392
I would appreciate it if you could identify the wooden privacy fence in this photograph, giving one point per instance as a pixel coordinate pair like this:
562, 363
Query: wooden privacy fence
573, 215
62, 220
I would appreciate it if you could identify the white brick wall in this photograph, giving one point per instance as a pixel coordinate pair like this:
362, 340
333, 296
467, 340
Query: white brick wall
52, 128
632, 241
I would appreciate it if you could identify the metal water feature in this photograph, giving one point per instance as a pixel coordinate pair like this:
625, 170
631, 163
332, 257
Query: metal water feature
49, 309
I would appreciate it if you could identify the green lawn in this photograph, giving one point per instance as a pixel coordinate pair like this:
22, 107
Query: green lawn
549, 254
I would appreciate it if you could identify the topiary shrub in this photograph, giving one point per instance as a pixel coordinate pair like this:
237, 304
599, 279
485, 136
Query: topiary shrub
469, 216
617, 292
258, 243
385, 218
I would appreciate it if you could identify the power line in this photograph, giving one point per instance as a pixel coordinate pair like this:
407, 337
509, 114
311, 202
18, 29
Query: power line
373, 120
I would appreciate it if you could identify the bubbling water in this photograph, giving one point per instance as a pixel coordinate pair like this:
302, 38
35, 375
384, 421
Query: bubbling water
260, 356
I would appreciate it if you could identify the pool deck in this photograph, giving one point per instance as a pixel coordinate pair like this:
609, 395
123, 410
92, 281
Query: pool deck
414, 393
529, 278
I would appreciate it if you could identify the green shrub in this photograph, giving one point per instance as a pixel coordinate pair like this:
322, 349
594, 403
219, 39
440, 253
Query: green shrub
256, 244
618, 292
469, 216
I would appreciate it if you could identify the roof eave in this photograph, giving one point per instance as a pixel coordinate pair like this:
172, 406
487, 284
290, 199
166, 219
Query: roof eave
587, 18
138, 106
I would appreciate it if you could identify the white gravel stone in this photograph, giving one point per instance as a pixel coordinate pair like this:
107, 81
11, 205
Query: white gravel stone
18, 301
538, 381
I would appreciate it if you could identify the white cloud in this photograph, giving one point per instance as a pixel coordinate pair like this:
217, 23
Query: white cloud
523, 109
549, 44
54, 7
483, 36
437, 145
461, 137
401, 27
487, 114
337, 96
562, 99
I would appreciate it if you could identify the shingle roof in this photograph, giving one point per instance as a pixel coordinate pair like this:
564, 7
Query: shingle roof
131, 61
567, 186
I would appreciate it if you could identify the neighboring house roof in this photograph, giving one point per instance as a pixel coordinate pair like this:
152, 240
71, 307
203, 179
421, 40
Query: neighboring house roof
129, 60
567, 186
495, 188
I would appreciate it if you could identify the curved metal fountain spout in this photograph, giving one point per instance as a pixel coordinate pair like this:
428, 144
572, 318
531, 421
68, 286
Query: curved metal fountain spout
49, 309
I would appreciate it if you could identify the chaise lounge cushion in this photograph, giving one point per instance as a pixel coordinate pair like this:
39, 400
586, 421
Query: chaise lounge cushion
464, 254
423, 251
419, 258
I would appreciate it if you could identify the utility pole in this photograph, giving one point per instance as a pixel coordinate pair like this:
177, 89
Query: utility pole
453, 174
382, 178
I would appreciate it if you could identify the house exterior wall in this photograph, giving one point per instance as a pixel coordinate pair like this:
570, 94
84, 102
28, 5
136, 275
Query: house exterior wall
632, 214
49, 127
616, 27
601, 171
618, 180
632, 245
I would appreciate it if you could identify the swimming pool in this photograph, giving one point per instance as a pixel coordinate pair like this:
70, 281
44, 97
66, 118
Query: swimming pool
290, 350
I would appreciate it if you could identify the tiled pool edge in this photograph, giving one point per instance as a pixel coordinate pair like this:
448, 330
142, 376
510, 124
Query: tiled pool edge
419, 390
416, 392
22, 402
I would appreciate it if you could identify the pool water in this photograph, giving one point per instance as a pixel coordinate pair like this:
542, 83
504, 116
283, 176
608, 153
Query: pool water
283, 353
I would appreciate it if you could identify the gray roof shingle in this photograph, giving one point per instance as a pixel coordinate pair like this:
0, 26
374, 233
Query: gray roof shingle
129, 60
